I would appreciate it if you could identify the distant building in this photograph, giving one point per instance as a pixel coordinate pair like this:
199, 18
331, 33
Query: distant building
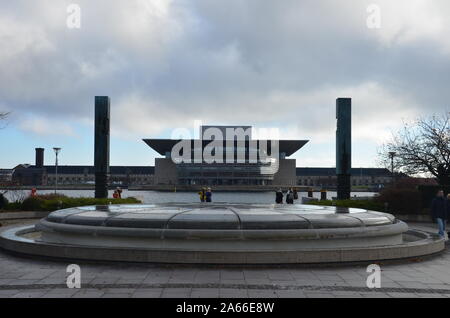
326, 177
38, 174
226, 171
6, 175
82, 175
26, 174
167, 172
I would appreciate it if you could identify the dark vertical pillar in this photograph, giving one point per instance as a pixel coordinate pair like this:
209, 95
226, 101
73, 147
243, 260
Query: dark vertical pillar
343, 147
39, 162
101, 151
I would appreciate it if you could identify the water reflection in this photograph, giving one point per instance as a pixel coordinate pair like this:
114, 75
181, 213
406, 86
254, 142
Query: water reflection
151, 197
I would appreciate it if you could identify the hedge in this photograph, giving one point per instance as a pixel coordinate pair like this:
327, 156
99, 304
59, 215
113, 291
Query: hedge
400, 201
56, 202
3, 201
428, 192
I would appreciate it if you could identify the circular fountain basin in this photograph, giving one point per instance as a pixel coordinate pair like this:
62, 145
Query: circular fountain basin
227, 233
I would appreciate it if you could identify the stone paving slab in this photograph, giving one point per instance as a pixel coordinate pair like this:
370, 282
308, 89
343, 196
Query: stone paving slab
233, 293
89, 293
147, 293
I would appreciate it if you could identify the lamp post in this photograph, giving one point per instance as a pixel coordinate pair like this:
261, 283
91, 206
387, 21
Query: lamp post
392, 155
57, 150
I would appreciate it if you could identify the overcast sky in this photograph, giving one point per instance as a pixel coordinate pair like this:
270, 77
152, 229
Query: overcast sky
266, 63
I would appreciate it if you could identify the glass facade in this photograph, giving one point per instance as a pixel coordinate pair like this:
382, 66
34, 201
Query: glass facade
225, 174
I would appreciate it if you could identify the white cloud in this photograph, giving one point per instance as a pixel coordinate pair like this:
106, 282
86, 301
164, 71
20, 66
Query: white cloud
139, 116
17, 39
414, 20
308, 115
45, 127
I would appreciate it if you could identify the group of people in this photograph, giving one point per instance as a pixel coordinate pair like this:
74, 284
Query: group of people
440, 211
205, 195
291, 195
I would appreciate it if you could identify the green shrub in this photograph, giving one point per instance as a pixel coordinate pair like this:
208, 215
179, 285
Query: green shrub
32, 203
52, 196
401, 200
56, 202
3, 201
64, 203
13, 206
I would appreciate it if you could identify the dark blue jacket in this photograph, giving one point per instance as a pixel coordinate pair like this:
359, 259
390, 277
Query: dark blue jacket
279, 197
208, 195
439, 208
448, 208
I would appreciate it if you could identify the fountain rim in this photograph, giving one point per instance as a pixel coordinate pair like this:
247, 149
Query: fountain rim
425, 244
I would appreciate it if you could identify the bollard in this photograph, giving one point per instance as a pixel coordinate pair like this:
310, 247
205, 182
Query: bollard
323, 195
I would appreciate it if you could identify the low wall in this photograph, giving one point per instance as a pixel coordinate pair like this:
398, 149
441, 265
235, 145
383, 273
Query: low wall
23, 215
419, 244
414, 217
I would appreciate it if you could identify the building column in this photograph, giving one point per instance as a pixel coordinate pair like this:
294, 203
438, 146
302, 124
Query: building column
343, 147
101, 161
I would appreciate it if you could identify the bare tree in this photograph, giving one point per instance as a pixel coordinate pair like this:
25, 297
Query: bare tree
3, 116
422, 147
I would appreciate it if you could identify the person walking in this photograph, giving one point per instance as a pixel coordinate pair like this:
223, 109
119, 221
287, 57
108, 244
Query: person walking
439, 211
290, 196
208, 195
448, 211
119, 192
279, 196
295, 194
201, 194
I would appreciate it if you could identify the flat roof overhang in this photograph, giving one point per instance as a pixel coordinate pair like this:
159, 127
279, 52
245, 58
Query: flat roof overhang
162, 146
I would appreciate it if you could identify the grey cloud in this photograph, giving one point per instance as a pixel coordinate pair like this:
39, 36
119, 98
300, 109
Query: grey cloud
257, 62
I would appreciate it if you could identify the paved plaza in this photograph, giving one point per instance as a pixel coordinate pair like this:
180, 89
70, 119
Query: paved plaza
29, 277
